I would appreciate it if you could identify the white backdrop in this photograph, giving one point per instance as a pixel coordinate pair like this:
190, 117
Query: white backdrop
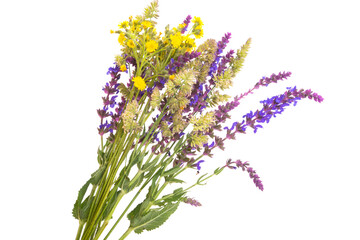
54, 58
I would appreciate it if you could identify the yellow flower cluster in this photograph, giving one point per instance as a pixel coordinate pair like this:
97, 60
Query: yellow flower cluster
139, 82
151, 46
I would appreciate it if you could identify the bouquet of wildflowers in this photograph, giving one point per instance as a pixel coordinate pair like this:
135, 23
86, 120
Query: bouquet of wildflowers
164, 113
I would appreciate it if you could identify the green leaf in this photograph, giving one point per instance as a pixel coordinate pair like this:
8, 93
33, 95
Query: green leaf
173, 180
110, 204
124, 90
173, 197
77, 205
131, 216
154, 218
178, 145
85, 208
170, 171
133, 184
97, 175
146, 167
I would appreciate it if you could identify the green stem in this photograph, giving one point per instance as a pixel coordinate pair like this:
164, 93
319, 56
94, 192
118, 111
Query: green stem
81, 225
128, 231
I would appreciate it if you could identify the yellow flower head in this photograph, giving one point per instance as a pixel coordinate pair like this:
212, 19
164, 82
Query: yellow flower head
111, 31
176, 40
124, 24
139, 83
172, 77
146, 24
198, 32
121, 38
131, 44
123, 68
197, 21
151, 46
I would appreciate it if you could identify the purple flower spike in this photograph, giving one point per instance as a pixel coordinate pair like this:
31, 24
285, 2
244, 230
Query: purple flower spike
186, 22
245, 166
192, 202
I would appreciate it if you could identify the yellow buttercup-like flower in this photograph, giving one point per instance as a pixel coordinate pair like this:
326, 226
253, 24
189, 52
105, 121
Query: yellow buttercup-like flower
176, 40
121, 38
131, 44
123, 68
151, 46
198, 21
146, 24
198, 32
124, 24
139, 83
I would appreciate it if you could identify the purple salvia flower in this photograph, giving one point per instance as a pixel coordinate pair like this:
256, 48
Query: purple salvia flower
276, 105
245, 166
221, 114
265, 81
225, 60
186, 22
198, 164
192, 202
220, 47
180, 62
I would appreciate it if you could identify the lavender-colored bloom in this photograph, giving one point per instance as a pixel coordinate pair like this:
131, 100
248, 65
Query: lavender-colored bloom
276, 105
186, 22
265, 81
104, 128
232, 127
225, 60
221, 114
198, 164
192, 202
245, 166
220, 47
113, 70
180, 62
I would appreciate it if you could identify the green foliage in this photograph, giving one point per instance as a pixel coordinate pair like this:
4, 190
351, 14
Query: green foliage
147, 166
176, 196
81, 208
97, 175
78, 210
171, 171
110, 204
173, 180
154, 218
124, 90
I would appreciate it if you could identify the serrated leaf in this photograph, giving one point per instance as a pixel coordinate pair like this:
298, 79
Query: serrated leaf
110, 204
97, 175
124, 90
154, 218
85, 208
134, 212
77, 205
